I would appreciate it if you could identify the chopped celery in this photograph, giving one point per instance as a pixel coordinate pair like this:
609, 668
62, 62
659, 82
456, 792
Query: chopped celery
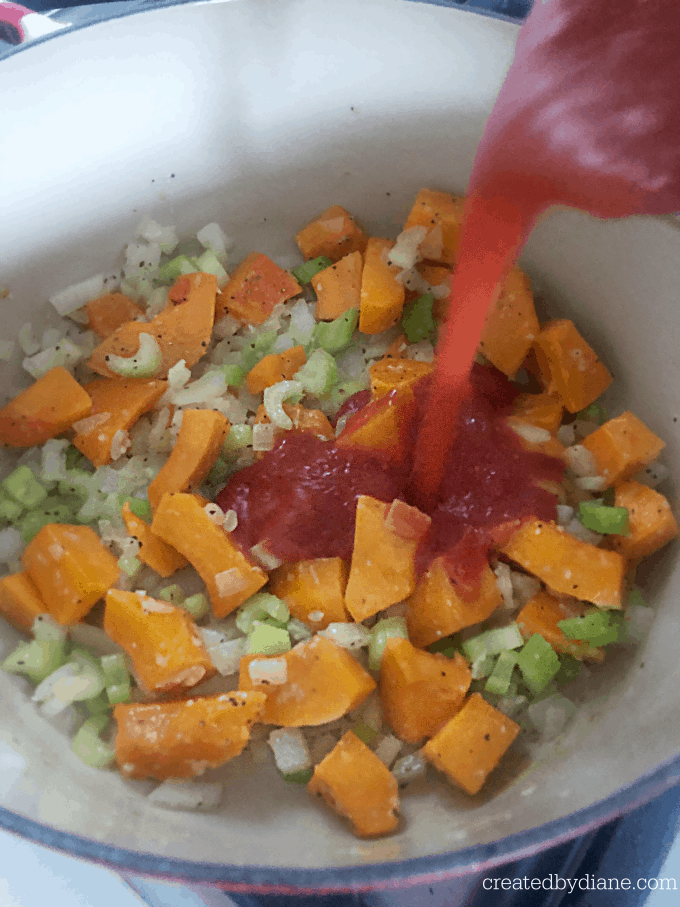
234, 375
604, 519
257, 349
209, 263
74, 458
387, 628
319, 373
219, 471
345, 389
22, 486
174, 268
46, 629
492, 642
501, 676
197, 605
78, 482
37, 659
297, 630
570, 668
239, 436
596, 628
365, 733
445, 646
130, 565
335, 336
300, 777
31, 523
145, 363
88, 745
304, 273
10, 510
538, 663
267, 640
98, 705
140, 508
593, 413
116, 678
259, 607
172, 593
483, 666
417, 322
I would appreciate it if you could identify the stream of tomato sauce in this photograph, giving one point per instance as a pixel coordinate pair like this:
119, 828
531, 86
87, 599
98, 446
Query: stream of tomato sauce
588, 117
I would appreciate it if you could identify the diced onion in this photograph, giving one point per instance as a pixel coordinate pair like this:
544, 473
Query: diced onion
408, 768
268, 670
78, 294
213, 237
190, 795
549, 716
388, 749
349, 636
290, 750
580, 460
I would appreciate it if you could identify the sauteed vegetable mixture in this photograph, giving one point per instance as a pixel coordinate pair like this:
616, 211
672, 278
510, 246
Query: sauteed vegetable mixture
213, 544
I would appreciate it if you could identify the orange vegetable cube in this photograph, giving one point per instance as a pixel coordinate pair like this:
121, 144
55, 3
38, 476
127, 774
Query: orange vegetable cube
471, 744
72, 569
107, 313
322, 682
622, 446
438, 608
20, 601
182, 330
160, 638
255, 287
274, 368
511, 325
397, 349
334, 233
651, 521
228, 574
382, 571
199, 442
184, 738
419, 691
44, 410
390, 374
567, 565
542, 613
382, 427
357, 785
153, 552
542, 410
382, 295
338, 288
118, 403
568, 366
442, 214
314, 590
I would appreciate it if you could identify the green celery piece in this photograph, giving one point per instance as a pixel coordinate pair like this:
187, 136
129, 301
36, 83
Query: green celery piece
78, 483
10, 510
130, 565
365, 733
22, 486
417, 322
593, 413
267, 640
116, 678
318, 374
538, 662
234, 375
220, 470
604, 519
209, 263
31, 523
304, 273
99, 705
88, 745
174, 268
37, 659
335, 336
570, 668
483, 666
197, 605
46, 629
492, 642
140, 508
301, 777
345, 389
500, 678
595, 628
259, 607
239, 436
387, 628
172, 593
74, 458
257, 349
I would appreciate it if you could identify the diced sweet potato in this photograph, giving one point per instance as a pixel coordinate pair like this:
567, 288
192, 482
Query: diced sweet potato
334, 233
542, 410
442, 214
357, 785
229, 576
382, 427
183, 739
511, 325
471, 744
542, 613
182, 330
323, 683
118, 402
314, 590
199, 442
107, 313
274, 368
153, 551
651, 521
72, 569
382, 295
382, 571
622, 446
395, 374
338, 288
44, 410
160, 638
397, 349
419, 691
255, 287
567, 565
20, 601
437, 608
568, 366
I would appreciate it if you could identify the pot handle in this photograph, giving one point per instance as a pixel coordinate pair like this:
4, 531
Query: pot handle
19, 24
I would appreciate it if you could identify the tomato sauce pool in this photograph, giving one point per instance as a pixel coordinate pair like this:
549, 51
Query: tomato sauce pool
588, 117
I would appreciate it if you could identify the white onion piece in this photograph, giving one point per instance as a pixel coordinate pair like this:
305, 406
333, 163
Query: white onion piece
190, 795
